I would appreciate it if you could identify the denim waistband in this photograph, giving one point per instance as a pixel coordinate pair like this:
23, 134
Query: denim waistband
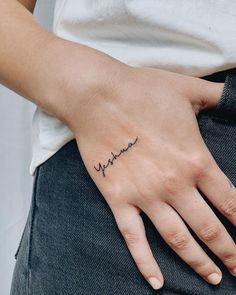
220, 76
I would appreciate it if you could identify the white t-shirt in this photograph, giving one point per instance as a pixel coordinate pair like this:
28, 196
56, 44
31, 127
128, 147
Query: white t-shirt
193, 37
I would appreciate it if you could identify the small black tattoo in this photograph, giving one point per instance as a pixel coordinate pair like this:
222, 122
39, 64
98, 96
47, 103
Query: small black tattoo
230, 183
102, 167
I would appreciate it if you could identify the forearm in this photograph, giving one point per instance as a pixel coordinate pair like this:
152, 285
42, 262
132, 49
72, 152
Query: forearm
22, 41
38, 65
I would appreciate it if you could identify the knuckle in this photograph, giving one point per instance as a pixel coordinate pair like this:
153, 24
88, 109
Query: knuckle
195, 264
169, 183
146, 194
229, 258
198, 164
198, 264
148, 188
209, 233
113, 191
117, 193
131, 238
141, 262
228, 207
203, 267
178, 240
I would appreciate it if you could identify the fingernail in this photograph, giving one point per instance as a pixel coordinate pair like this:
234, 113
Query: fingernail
214, 278
233, 272
155, 283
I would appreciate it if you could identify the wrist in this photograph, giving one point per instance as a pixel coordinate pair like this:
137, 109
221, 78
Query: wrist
74, 74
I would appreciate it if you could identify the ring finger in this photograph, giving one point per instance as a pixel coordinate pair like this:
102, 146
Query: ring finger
207, 226
178, 237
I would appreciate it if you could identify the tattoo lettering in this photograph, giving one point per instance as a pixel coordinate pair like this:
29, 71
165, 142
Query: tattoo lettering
103, 167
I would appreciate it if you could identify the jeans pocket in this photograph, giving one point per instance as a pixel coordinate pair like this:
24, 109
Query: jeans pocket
29, 217
21, 279
226, 107
225, 110
21, 239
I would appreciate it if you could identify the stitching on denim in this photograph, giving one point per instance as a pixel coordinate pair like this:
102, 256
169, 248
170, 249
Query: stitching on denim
21, 240
31, 230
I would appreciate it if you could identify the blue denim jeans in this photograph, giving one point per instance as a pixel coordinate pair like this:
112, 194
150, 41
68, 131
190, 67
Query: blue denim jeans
71, 244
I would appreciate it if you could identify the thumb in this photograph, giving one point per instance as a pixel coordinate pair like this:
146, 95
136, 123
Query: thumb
210, 94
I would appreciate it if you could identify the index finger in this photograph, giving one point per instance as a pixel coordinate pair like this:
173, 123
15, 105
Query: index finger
131, 226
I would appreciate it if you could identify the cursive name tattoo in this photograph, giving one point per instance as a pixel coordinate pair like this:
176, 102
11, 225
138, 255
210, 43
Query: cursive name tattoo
103, 167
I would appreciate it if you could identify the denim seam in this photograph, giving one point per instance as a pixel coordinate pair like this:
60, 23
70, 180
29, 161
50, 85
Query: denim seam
21, 240
31, 232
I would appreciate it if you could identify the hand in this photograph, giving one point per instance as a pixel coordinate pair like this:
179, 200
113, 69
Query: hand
143, 149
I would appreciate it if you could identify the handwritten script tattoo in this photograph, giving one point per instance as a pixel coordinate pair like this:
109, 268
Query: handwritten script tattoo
103, 167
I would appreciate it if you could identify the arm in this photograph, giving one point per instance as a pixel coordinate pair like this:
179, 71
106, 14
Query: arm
33, 60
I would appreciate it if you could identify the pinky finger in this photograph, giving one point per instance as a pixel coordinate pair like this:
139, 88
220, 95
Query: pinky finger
131, 226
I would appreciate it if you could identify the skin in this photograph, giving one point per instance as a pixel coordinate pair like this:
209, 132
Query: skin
29, 4
107, 106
